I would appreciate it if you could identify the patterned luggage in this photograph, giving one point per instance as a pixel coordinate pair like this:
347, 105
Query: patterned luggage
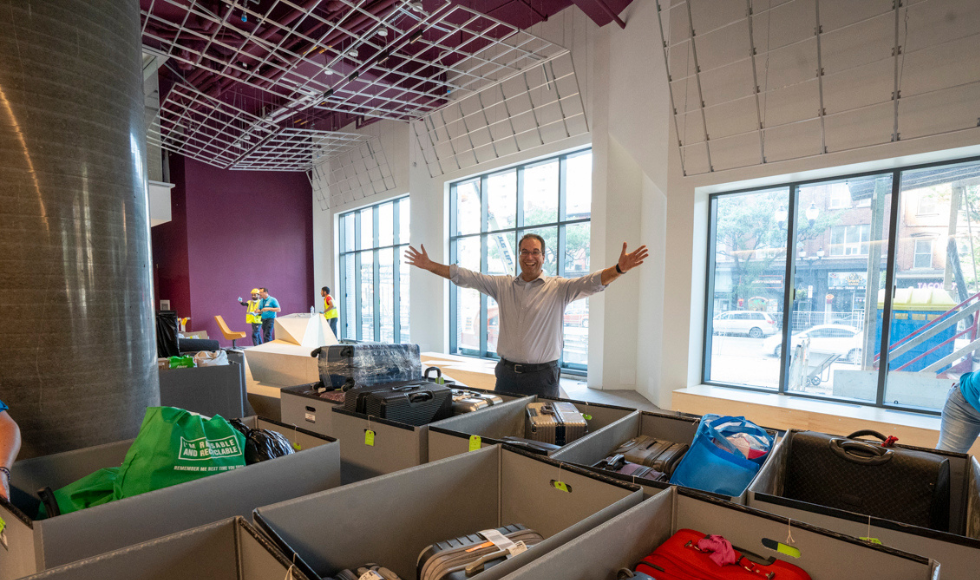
554, 422
895, 483
679, 558
656, 453
461, 558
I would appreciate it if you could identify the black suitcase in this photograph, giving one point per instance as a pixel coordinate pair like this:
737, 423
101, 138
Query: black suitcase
343, 366
413, 402
461, 558
898, 484
530, 444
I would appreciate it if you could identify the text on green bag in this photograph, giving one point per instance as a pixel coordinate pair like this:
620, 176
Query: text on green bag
202, 449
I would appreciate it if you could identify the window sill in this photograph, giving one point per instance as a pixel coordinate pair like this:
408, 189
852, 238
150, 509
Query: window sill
785, 412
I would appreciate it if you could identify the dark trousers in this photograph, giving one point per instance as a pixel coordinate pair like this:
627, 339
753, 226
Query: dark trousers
543, 382
267, 324
333, 326
256, 333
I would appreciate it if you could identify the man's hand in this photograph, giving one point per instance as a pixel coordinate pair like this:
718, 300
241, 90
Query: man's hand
421, 260
628, 261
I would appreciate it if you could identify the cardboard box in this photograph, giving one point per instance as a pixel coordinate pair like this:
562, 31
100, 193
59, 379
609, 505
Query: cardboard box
452, 436
389, 520
626, 539
230, 549
34, 546
957, 551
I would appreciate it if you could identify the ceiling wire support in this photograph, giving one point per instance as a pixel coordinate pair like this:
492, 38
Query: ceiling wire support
822, 112
697, 78
755, 83
670, 89
897, 50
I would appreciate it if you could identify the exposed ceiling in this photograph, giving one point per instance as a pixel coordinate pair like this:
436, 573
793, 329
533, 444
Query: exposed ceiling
239, 73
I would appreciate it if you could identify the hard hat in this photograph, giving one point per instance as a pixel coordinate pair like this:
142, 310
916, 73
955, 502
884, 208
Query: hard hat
255, 291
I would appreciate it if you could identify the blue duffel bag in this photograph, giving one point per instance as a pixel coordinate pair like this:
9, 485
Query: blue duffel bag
714, 464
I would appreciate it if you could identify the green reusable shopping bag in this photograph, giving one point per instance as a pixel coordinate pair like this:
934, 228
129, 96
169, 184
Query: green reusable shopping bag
175, 446
92, 490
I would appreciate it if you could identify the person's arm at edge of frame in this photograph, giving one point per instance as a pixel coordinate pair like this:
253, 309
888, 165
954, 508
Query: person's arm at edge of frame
627, 261
420, 259
9, 448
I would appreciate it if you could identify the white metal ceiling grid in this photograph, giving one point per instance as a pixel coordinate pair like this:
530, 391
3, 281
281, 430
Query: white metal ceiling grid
298, 149
214, 132
817, 76
541, 105
357, 173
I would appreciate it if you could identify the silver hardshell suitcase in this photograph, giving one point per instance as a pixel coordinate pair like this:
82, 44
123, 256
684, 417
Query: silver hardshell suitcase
465, 401
554, 422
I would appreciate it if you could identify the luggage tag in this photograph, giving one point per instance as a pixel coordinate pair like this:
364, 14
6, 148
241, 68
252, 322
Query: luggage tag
369, 434
475, 442
504, 543
560, 485
3, 534
296, 444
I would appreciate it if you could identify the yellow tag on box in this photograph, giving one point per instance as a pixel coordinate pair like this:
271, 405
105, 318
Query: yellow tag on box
369, 437
3, 525
475, 442
561, 486
297, 446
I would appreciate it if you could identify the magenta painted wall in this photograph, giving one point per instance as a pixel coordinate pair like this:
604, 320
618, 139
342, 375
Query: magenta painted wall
244, 229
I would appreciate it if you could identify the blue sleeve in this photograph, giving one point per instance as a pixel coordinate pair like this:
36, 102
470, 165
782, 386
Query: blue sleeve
273, 303
3, 406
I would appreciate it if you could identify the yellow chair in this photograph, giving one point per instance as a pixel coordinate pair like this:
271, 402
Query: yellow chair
229, 334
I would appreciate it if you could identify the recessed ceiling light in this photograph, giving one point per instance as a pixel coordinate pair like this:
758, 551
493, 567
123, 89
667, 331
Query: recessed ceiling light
352, 53
382, 31
417, 6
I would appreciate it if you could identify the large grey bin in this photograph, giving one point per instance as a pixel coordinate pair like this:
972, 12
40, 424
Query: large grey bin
391, 519
34, 546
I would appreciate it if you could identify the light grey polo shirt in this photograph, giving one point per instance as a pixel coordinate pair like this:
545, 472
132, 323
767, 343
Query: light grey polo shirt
531, 313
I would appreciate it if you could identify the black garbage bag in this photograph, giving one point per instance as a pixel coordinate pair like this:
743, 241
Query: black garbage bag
262, 444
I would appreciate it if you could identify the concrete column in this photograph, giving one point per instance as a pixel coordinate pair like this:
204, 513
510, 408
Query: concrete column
77, 344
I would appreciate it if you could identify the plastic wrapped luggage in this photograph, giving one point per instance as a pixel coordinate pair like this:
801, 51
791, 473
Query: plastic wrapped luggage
465, 401
554, 422
899, 484
414, 402
460, 558
659, 454
680, 558
344, 366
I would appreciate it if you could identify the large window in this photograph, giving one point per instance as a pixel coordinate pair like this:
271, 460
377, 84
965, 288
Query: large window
811, 295
373, 273
490, 213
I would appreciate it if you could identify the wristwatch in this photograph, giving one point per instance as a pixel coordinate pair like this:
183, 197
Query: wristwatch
618, 270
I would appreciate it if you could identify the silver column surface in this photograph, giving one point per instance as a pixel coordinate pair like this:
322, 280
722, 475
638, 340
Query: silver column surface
77, 341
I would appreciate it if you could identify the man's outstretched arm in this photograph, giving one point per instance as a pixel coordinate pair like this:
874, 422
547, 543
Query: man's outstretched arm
421, 260
627, 261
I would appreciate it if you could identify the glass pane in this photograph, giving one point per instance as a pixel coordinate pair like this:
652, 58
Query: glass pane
541, 194
829, 315
468, 207
386, 294
935, 271
493, 325
576, 328
386, 225
502, 200
501, 254
750, 264
367, 296
367, 229
468, 319
468, 253
550, 236
404, 297
349, 309
349, 232
578, 186
577, 249
404, 220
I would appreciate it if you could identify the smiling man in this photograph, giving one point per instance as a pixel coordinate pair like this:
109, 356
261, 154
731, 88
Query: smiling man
531, 310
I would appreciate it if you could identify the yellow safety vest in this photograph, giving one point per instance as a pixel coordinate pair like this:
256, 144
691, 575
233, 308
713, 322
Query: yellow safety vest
328, 310
252, 315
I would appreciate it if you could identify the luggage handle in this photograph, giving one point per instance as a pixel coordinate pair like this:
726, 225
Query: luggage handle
419, 397
864, 432
404, 388
478, 565
425, 375
860, 452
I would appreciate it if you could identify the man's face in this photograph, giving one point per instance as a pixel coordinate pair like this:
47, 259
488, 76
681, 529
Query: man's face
255, 296
323, 293
532, 259
263, 294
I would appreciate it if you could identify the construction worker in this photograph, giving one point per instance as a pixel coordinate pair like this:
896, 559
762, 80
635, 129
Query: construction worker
253, 316
330, 310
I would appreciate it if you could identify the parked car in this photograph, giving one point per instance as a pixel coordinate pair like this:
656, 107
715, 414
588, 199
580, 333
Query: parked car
838, 339
577, 314
754, 324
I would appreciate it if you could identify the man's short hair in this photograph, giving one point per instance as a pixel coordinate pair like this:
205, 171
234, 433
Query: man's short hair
533, 237
266, 290
325, 289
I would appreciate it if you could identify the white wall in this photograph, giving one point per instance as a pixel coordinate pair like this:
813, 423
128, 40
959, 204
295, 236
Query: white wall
646, 328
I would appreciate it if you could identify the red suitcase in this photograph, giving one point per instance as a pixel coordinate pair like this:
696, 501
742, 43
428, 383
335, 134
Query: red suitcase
680, 559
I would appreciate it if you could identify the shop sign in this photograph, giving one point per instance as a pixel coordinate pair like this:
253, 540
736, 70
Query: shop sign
847, 280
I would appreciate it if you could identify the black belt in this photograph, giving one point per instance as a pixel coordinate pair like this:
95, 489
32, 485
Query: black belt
528, 368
